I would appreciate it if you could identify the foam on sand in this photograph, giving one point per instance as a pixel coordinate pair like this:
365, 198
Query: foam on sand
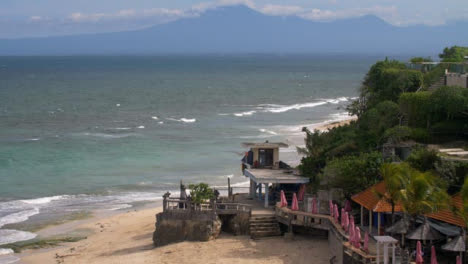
8, 236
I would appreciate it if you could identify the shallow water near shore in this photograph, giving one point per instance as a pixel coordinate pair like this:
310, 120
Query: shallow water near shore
103, 133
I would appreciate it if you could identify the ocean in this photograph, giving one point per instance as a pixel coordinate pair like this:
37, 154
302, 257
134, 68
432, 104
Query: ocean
84, 133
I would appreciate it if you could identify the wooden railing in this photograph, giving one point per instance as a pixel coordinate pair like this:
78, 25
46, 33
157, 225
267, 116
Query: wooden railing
320, 221
176, 204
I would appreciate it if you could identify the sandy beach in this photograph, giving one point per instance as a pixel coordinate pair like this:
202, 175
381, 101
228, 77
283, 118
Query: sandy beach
127, 238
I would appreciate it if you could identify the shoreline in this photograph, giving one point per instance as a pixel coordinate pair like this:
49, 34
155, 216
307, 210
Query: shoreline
103, 231
127, 238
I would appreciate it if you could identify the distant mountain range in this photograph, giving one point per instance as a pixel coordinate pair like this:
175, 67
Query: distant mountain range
239, 29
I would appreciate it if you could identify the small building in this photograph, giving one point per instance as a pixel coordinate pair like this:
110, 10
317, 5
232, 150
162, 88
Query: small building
262, 165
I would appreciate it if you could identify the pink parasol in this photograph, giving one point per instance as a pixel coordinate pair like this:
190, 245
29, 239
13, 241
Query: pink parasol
357, 238
347, 206
295, 204
314, 205
284, 202
346, 221
419, 258
458, 260
366, 242
300, 194
330, 203
336, 213
351, 229
433, 255
342, 218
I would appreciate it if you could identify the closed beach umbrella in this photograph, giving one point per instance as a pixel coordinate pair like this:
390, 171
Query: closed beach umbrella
314, 206
347, 206
295, 204
419, 258
346, 221
459, 260
284, 202
366, 242
433, 255
357, 238
300, 194
336, 214
331, 208
351, 229
342, 218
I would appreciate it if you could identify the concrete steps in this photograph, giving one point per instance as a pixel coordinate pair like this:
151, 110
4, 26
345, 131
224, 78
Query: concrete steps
438, 84
264, 226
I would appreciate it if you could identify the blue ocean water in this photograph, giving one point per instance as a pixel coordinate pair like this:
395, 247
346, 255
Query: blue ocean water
103, 132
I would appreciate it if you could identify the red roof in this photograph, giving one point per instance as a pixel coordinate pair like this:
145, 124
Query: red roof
371, 200
448, 216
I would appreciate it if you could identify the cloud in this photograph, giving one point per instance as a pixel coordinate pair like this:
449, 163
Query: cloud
282, 10
128, 14
326, 15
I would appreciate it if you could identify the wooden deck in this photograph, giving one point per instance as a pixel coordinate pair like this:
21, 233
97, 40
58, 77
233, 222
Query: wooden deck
323, 222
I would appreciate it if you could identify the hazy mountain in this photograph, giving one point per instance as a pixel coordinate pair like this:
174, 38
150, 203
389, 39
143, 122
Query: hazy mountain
238, 29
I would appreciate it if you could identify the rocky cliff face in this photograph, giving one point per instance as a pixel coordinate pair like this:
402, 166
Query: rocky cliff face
174, 227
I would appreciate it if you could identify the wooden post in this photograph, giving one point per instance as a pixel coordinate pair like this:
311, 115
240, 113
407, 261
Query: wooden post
229, 188
252, 190
260, 191
370, 222
266, 195
362, 216
378, 224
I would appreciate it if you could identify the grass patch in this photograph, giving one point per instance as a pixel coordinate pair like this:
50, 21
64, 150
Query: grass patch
42, 243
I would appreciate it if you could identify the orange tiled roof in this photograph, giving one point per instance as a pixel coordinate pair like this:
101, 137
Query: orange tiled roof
446, 215
371, 201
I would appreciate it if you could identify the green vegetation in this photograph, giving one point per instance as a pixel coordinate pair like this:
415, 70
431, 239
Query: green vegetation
420, 59
42, 243
201, 192
454, 54
395, 108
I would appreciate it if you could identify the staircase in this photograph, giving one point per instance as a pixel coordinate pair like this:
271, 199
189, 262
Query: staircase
264, 226
438, 84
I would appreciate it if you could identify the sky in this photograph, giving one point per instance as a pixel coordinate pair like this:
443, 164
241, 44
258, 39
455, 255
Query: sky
37, 18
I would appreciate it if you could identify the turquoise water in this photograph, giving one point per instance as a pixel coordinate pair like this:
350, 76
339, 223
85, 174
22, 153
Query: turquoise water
106, 131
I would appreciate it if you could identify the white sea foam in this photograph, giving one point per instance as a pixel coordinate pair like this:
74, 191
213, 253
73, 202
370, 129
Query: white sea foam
285, 108
141, 127
160, 122
123, 128
18, 217
119, 207
33, 139
8, 236
247, 113
117, 105
108, 136
155, 117
6, 251
268, 131
44, 200
185, 120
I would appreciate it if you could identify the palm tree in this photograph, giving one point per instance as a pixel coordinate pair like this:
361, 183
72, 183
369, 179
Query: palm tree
392, 176
422, 192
